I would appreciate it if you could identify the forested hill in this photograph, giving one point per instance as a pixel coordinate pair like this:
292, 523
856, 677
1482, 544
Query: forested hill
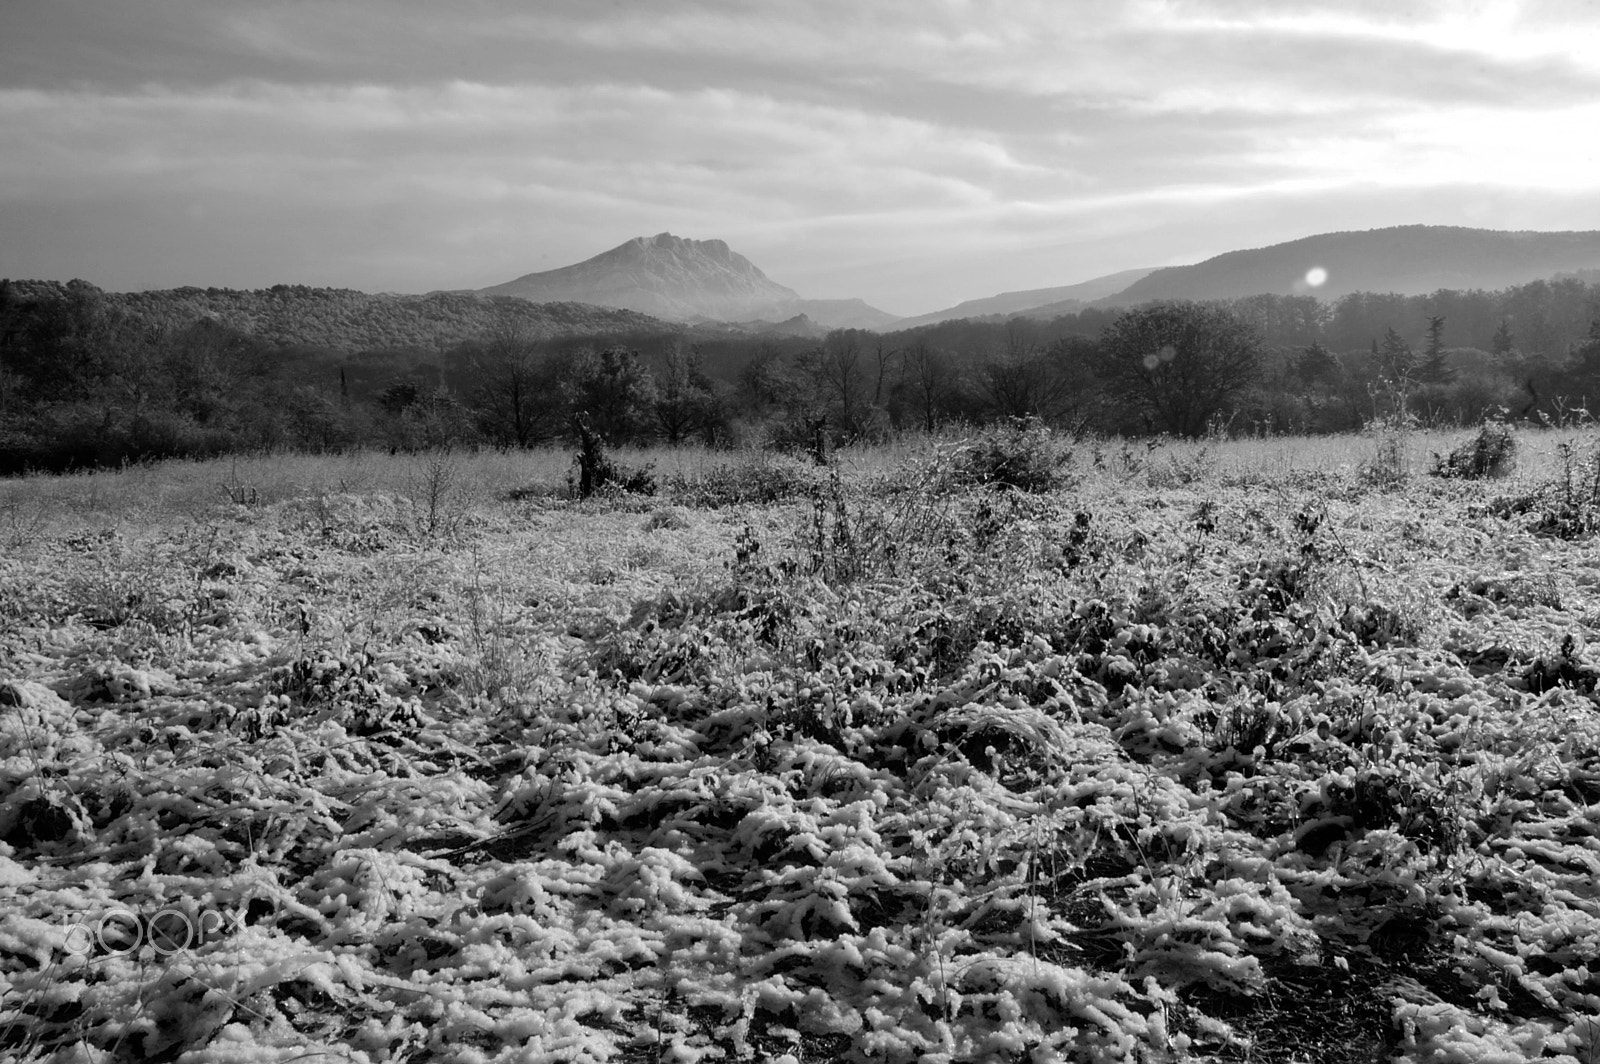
340, 319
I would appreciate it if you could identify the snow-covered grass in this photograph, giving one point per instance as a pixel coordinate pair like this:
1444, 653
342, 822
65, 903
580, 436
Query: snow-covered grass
1215, 752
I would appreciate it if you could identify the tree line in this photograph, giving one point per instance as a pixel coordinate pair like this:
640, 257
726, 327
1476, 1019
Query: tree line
87, 380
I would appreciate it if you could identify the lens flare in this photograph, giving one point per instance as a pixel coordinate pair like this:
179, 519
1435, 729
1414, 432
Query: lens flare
1166, 354
1316, 277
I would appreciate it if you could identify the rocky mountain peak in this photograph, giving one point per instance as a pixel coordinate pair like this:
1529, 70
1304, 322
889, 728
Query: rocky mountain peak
678, 279
683, 259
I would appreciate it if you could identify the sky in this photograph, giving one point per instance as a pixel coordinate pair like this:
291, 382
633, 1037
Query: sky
912, 153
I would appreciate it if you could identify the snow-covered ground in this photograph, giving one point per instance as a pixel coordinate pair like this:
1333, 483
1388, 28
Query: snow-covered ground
1177, 762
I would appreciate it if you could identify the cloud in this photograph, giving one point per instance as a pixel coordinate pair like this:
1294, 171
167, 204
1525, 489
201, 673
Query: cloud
842, 146
601, 155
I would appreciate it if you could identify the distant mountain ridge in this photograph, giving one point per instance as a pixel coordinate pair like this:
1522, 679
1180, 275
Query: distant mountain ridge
706, 283
1407, 260
1063, 299
685, 280
345, 320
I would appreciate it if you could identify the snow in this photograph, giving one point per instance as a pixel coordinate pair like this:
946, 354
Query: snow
1050, 814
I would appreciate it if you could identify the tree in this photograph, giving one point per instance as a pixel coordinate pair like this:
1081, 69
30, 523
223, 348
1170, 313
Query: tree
1434, 368
1011, 382
686, 402
927, 383
1504, 343
513, 394
1395, 358
212, 367
1308, 316
11, 328
400, 396
841, 369
615, 390
1315, 364
1177, 365
11, 320
442, 419
64, 345
1014, 388
132, 364
1043, 382
764, 383
1584, 366
883, 355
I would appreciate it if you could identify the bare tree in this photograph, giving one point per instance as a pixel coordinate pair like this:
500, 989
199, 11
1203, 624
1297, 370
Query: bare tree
841, 370
884, 355
1027, 379
513, 397
929, 380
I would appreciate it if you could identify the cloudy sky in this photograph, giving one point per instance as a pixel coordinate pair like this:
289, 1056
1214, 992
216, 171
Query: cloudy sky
910, 152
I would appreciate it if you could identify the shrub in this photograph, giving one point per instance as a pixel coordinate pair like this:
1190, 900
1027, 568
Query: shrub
607, 476
441, 500
1390, 464
1491, 453
771, 479
597, 470
668, 517
1565, 668
803, 435
1567, 508
1021, 454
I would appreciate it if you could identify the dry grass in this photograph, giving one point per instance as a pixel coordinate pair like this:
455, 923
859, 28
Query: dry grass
185, 489
1215, 739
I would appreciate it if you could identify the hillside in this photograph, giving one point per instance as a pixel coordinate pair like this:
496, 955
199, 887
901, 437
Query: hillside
799, 325
1063, 299
839, 313
346, 320
1409, 260
685, 280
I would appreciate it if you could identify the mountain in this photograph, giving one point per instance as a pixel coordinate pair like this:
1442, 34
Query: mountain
685, 280
799, 325
1408, 260
664, 276
1064, 299
841, 314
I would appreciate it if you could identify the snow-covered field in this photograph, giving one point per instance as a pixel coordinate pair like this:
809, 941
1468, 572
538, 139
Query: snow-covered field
1201, 756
